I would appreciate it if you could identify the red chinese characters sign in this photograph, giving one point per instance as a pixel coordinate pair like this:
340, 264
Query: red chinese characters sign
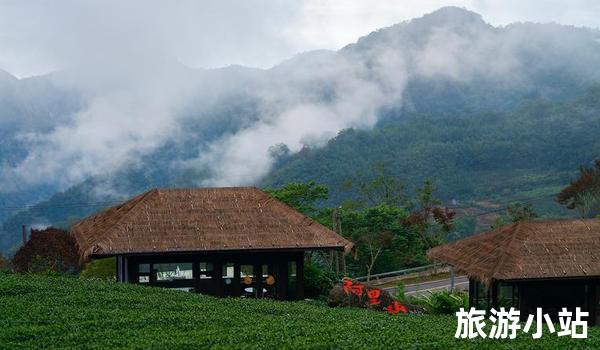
374, 295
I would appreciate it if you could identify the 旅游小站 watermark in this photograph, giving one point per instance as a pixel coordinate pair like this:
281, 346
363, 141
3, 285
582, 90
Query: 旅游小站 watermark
506, 324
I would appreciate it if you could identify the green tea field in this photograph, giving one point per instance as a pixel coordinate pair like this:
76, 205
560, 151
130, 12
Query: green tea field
58, 312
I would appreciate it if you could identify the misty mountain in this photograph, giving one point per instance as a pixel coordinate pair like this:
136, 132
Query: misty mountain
531, 151
29, 106
455, 81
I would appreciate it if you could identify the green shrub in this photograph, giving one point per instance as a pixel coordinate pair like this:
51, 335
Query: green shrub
103, 269
317, 281
3, 263
400, 292
442, 302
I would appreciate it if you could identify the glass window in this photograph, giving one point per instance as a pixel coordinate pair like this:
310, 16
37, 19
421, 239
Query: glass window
507, 295
291, 285
143, 273
247, 281
482, 296
228, 272
268, 281
144, 268
247, 271
144, 279
206, 270
174, 271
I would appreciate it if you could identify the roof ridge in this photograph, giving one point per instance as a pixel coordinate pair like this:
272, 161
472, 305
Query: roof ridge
205, 188
505, 250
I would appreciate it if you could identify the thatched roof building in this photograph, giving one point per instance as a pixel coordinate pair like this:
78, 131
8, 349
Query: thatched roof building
201, 220
526, 250
556, 259
241, 226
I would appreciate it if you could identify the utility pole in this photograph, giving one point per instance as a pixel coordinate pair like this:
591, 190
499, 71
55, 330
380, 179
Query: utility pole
337, 228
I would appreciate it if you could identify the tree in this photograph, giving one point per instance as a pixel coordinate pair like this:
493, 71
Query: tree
428, 218
3, 263
521, 212
305, 197
583, 193
376, 242
382, 244
380, 189
301, 196
51, 249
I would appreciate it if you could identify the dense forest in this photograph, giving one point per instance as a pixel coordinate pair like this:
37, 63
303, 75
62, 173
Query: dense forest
531, 150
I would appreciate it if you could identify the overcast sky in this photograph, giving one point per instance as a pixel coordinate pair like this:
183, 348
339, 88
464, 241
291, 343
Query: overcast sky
40, 36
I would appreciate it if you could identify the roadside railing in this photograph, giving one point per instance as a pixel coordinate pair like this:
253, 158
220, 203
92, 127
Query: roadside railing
401, 272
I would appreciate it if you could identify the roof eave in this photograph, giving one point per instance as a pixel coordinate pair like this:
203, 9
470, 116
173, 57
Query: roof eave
224, 250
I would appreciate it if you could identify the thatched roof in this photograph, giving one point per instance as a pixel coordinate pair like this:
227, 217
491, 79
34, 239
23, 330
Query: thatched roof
201, 219
527, 250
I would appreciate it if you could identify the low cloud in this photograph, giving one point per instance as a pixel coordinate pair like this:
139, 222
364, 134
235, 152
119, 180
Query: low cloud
132, 64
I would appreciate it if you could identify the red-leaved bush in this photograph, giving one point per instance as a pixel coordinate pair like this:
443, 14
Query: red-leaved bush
51, 249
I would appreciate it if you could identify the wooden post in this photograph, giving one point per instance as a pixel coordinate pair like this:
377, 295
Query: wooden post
592, 302
300, 277
120, 277
472, 292
331, 260
282, 280
218, 278
237, 287
494, 295
196, 275
258, 276
125, 269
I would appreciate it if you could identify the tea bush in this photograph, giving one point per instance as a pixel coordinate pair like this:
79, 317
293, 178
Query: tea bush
66, 312
442, 302
103, 269
317, 281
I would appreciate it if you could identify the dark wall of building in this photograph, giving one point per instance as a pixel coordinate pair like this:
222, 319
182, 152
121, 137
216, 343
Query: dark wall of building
277, 275
550, 295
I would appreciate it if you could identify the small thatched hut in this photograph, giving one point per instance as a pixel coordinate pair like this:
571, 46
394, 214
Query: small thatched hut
220, 241
547, 264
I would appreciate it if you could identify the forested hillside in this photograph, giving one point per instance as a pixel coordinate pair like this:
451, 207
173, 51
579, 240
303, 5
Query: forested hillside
533, 149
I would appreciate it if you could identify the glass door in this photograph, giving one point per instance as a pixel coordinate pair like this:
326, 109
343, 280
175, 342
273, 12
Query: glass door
270, 280
248, 281
228, 278
206, 280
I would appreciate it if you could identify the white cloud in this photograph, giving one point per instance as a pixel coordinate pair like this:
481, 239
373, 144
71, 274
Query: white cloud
125, 56
40, 35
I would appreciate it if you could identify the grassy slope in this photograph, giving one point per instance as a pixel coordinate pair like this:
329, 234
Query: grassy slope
38, 312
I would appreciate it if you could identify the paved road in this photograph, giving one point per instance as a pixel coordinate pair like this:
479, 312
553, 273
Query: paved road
460, 282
